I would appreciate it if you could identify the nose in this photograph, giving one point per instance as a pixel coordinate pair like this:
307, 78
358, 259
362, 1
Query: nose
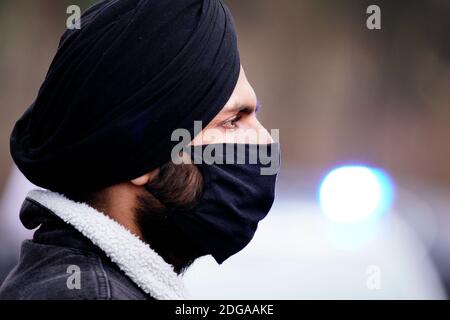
264, 137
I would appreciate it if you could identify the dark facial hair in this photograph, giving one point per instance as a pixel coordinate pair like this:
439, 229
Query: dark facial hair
177, 187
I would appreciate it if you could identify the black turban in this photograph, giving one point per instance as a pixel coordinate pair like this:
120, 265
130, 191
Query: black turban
118, 87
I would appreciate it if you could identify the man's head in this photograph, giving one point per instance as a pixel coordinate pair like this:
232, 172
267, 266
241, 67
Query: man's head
101, 129
143, 204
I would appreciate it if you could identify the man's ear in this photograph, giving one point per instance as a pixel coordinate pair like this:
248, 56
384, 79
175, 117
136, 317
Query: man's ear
146, 178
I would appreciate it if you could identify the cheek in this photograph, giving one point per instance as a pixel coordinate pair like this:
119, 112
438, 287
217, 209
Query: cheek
249, 131
222, 135
212, 136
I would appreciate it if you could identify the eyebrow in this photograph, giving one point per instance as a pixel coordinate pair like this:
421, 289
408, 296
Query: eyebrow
243, 108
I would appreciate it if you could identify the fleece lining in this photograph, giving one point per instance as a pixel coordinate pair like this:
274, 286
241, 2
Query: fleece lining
134, 257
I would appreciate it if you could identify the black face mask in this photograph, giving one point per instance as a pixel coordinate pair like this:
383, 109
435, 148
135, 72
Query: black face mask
236, 196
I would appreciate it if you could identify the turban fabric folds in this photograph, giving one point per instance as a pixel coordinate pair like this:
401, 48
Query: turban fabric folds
118, 87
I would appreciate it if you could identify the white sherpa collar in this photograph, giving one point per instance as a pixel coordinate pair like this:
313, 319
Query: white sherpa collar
140, 263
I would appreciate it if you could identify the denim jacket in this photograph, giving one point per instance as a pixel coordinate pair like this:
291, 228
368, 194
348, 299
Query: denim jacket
62, 263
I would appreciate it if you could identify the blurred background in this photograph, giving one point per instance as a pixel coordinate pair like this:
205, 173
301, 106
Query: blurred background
375, 102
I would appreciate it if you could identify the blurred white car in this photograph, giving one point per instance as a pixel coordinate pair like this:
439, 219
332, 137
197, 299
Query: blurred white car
298, 253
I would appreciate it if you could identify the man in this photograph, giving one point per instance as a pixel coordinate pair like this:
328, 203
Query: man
128, 207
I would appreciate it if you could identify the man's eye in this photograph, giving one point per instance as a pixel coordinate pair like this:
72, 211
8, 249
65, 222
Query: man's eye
232, 123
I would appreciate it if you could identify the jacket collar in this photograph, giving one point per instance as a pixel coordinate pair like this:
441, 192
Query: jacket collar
135, 258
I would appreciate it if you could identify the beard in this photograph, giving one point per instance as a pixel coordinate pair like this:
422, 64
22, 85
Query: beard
177, 187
